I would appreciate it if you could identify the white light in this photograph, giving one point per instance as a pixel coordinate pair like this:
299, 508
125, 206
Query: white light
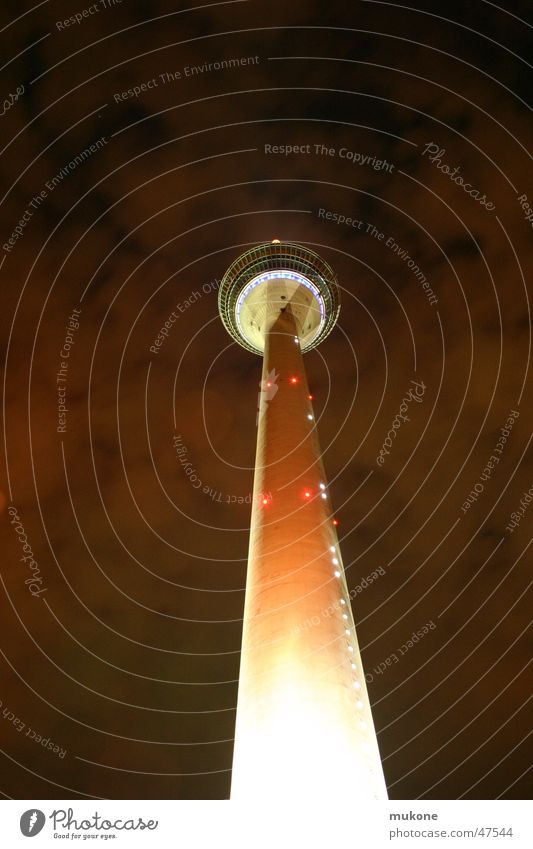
322, 485
359, 703
282, 275
294, 744
345, 616
323, 494
309, 416
353, 666
334, 561
357, 685
342, 601
332, 548
362, 724
337, 573
347, 632
350, 648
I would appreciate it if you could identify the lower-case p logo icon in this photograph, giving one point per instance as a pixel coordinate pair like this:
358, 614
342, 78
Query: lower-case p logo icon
32, 822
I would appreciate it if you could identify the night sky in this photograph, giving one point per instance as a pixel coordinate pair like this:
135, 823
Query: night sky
137, 162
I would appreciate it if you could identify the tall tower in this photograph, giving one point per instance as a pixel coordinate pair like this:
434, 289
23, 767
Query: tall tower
304, 725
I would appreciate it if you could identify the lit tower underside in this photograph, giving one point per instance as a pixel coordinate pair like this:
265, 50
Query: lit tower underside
304, 725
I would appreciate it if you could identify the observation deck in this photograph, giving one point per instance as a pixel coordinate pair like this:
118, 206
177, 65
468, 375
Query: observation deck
264, 280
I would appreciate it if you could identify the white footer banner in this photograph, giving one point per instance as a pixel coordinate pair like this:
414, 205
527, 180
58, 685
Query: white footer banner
203, 825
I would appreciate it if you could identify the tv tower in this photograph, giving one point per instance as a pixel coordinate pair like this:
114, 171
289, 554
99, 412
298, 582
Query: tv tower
304, 725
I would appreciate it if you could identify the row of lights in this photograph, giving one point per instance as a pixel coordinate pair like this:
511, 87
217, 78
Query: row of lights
308, 494
348, 632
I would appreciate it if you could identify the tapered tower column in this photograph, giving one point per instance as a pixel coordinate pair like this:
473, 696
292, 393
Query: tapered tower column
304, 725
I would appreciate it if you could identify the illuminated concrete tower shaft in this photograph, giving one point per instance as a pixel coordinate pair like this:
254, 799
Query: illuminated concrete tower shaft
304, 725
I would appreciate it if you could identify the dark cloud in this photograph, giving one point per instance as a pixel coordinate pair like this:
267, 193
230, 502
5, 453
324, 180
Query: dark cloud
145, 574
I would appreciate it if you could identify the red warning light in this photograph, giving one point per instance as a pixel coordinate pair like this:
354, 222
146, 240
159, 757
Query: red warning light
307, 493
269, 383
309, 397
265, 500
294, 380
335, 522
